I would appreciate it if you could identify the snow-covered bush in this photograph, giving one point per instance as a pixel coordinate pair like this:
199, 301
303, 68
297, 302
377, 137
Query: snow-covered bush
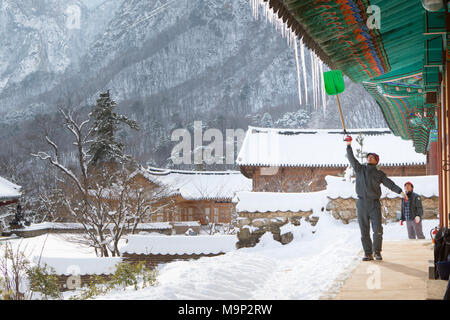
43, 280
126, 275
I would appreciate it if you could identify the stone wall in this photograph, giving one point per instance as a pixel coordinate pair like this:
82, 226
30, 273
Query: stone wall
345, 209
73, 282
27, 233
252, 226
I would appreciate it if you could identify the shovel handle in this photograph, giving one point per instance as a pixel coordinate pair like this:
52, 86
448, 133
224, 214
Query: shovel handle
340, 113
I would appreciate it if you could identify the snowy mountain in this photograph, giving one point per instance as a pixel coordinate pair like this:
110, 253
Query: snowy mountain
41, 42
166, 62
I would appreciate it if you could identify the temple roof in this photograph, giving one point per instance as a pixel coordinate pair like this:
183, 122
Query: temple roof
9, 190
322, 148
199, 185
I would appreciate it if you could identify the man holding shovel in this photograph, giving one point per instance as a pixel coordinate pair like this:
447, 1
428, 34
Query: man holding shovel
368, 180
368, 207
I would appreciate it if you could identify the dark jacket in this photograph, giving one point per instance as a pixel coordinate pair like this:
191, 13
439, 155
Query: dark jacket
415, 207
369, 178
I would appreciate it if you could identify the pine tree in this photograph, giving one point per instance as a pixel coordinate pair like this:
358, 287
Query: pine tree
293, 120
105, 147
266, 121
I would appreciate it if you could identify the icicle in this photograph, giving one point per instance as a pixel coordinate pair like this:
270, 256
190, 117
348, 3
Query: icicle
313, 71
273, 18
255, 7
319, 93
324, 96
318, 89
305, 80
298, 72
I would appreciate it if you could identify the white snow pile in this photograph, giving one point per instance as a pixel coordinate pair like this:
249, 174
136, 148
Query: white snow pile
315, 148
79, 266
277, 201
201, 244
50, 245
426, 186
9, 190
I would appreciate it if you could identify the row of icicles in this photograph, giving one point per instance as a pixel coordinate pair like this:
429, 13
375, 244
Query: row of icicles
317, 65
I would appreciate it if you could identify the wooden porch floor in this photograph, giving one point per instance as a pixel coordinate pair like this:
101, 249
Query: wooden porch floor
402, 275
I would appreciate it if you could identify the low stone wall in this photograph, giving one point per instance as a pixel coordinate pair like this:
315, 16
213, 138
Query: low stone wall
152, 260
74, 282
24, 233
252, 226
29, 232
345, 209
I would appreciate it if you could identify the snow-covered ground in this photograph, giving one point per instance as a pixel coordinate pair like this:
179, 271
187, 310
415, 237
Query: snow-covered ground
304, 269
51, 245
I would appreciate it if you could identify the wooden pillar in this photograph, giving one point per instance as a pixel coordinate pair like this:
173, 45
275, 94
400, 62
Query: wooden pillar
441, 177
443, 138
433, 159
443, 132
445, 145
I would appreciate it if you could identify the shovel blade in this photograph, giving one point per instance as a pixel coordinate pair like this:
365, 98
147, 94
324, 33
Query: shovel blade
334, 82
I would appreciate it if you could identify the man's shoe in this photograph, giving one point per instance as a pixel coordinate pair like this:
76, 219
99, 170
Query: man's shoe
378, 256
367, 257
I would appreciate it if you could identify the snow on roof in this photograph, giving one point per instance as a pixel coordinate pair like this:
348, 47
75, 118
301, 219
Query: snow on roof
276, 201
199, 185
171, 245
321, 148
9, 190
80, 266
426, 186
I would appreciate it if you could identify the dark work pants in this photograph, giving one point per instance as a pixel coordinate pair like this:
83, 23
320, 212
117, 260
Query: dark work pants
414, 229
369, 212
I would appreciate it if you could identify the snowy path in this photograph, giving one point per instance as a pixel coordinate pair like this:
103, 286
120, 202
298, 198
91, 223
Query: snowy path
300, 270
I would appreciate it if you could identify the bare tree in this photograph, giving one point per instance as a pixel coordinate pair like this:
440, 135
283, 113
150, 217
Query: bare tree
105, 200
13, 266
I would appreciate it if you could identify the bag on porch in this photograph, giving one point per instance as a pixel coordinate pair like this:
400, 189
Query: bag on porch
441, 249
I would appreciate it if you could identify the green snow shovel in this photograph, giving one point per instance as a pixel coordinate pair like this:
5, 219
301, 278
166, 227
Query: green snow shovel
334, 84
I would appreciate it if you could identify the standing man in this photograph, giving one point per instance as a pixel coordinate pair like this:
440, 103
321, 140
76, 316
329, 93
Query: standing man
412, 212
368, 207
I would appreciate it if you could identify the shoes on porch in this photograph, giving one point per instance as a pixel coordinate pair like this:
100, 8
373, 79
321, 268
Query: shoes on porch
367, 257
378, 256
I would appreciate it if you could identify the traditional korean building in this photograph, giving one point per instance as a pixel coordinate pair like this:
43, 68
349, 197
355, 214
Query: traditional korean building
9, 192
297, 160
204, 196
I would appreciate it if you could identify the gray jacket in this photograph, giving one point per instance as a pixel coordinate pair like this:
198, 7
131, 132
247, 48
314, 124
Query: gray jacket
369, 178
415, 207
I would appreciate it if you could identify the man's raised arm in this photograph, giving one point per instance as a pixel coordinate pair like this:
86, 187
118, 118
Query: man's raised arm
351, 158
